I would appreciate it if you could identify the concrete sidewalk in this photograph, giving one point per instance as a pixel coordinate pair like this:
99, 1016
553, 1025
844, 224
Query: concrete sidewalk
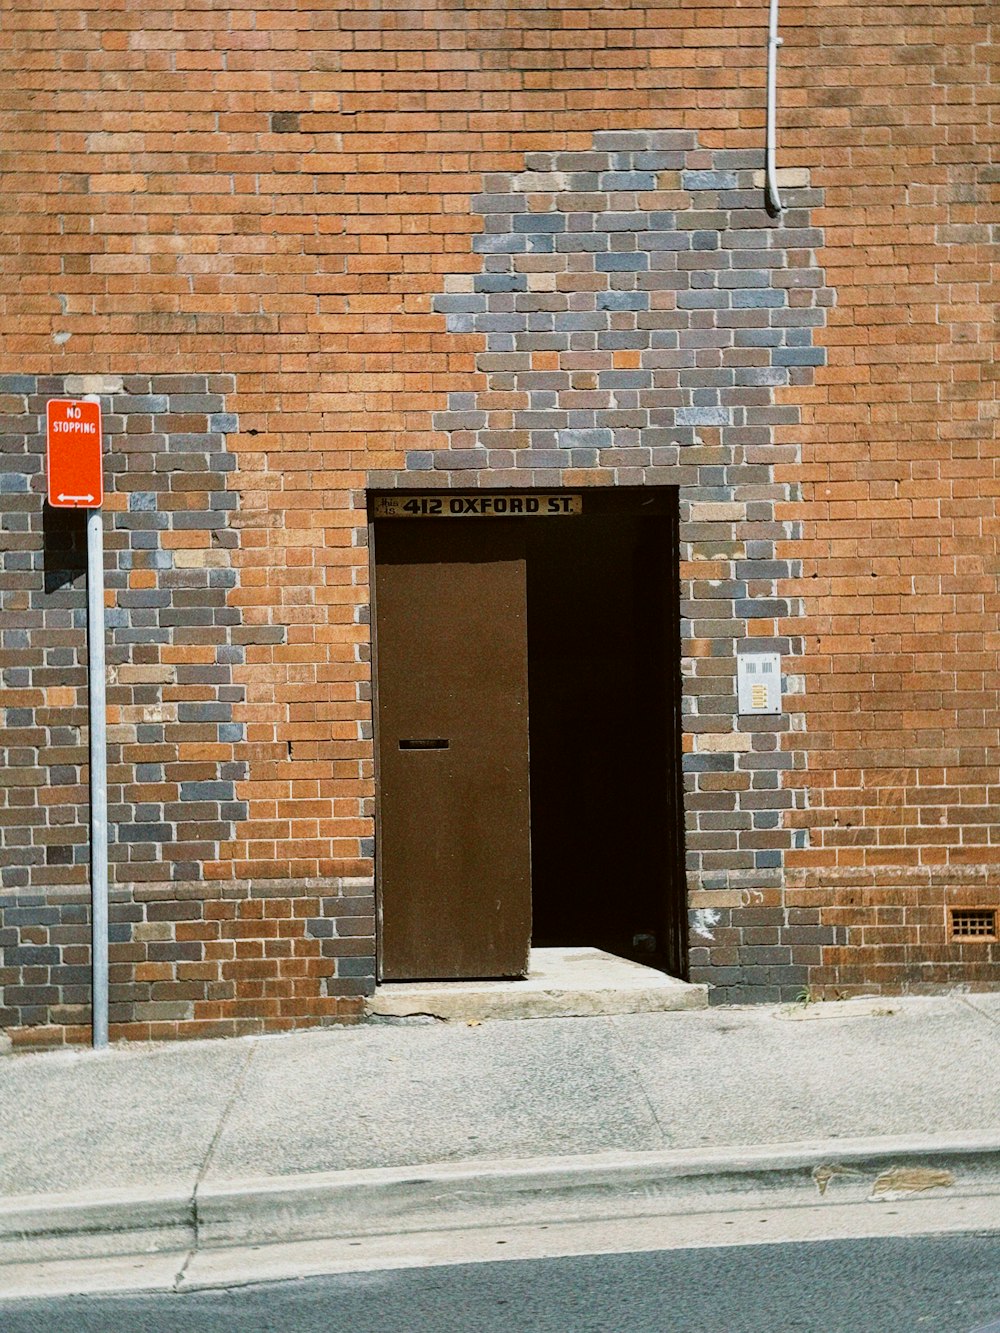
134, 1125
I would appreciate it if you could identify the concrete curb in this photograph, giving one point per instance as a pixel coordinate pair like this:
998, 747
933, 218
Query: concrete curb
71, 1226
366, 1203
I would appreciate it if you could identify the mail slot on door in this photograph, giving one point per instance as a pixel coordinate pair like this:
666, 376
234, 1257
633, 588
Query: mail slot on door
424, 743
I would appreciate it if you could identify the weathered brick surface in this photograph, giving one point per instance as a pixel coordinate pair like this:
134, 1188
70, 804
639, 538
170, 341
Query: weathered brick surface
325, 208
639, 310
189, 960
175, 753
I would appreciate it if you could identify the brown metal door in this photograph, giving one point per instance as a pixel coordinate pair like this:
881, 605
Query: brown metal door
454, 855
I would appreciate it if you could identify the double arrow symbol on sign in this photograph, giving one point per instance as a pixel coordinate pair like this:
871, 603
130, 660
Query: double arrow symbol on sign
75, 497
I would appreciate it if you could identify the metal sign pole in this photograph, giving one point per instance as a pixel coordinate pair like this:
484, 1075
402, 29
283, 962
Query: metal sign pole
98, 778
74, 468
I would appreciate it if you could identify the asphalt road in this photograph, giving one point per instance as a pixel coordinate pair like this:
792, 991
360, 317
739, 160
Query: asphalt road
942, 1284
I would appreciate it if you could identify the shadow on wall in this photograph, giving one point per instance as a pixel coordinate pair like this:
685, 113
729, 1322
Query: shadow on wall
64, 547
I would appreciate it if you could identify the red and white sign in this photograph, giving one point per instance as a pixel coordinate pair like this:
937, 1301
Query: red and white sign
73, 454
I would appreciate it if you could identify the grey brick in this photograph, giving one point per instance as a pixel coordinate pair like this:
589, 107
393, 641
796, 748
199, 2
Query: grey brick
632, 140
540, 222
356, 967
703, 300
626, 180
206, 791
497, 245
127, 404
761, 608
500, 282
203, 712
658, 160
583, 439
708, 180
703, 416
672, 140
762, 375
757, 300
799, 356
196, 402
499, 203
464, 303
621, 263
458, 420
621, 222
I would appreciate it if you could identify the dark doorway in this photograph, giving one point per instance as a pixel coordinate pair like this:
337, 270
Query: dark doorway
603, 684
601, 657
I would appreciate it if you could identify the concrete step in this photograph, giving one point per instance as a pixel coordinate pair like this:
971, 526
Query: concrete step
561, 983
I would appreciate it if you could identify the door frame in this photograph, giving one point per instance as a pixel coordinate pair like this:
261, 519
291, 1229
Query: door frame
675, 872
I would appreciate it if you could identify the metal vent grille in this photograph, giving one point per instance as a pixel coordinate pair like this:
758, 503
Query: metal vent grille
973, 923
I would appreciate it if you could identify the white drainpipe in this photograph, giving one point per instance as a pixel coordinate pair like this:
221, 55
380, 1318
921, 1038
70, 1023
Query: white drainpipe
772, 200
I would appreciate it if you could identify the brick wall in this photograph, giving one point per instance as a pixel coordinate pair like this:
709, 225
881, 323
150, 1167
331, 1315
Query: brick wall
298, 201
186, 955
188, 960
174, 752
639, 310
899, 501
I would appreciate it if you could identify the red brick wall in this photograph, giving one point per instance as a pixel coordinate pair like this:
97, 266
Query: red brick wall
899, 492
278, 192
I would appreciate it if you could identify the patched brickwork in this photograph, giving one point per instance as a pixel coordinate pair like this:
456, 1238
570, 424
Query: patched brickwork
173, 639
639, 310
184, 955
636, 301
